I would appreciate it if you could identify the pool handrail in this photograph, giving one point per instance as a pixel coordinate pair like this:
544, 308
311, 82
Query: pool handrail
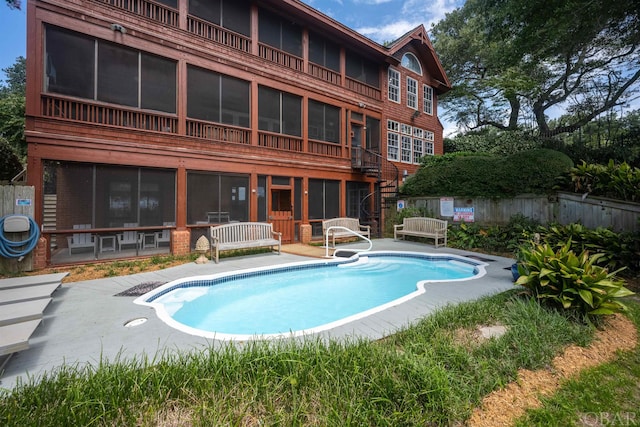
355, 233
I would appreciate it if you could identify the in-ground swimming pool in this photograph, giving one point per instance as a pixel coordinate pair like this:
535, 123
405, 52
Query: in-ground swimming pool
301, 298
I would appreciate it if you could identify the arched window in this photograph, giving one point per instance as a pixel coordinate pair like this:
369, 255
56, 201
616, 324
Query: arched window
410, 62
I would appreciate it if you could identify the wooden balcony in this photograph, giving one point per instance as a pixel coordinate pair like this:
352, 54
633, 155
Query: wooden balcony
326, 149
280, 57
363, 89
218, 34
280, 142
108, 115
325, 74
148, 9
218, 132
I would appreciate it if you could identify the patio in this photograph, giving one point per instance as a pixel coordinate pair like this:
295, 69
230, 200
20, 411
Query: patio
85, 322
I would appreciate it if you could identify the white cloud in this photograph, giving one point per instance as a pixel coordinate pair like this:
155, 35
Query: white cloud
388, 32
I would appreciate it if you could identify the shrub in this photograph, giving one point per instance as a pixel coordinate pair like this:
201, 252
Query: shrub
573, 282
10, 165
482, 175
616, 181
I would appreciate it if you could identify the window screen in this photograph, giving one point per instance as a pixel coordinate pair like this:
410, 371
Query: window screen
279, 112
117, 74
324, 199
324, 122
232, 14
361, 69
277, 32
324, 52
70, 60
158, 83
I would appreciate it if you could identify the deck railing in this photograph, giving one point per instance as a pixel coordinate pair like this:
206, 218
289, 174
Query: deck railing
280, 142
325, 74
218, 132
363, 89
89, 112
148, 9
218, 34
280, 57
327, 149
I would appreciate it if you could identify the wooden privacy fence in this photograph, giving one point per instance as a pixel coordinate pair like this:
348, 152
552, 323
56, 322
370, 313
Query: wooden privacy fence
17, 199
563, 208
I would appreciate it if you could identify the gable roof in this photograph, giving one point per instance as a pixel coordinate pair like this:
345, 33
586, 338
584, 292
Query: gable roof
419, 41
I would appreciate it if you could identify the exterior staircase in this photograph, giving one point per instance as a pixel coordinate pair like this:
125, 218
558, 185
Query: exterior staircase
385, 195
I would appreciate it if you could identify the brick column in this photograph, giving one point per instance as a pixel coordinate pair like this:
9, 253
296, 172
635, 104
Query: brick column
305, 233
180, 242
40, 254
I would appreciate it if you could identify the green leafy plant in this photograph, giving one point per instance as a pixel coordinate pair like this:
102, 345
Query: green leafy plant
573, 282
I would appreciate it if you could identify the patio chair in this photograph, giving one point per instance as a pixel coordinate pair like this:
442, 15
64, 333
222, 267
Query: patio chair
164, 236
81, 240
129, 237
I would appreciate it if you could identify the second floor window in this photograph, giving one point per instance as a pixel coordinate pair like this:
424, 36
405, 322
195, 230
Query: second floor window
412, 93
279, 112
394, 85
427, 99
361, 69
85, 67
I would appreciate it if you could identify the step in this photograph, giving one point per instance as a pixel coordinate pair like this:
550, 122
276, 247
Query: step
27, 293
23, 311
19, 282
15, 337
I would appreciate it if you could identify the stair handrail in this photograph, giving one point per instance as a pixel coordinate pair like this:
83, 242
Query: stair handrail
355, 233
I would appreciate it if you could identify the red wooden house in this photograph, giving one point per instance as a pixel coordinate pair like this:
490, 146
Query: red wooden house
174, 114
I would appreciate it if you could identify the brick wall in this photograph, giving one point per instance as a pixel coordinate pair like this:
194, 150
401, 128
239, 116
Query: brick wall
180, 242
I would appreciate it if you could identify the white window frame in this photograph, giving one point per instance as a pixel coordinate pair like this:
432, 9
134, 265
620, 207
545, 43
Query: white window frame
393, 146
412, 93
406, 149
428, 148
427, 99
393, 93
393, 126
418, 150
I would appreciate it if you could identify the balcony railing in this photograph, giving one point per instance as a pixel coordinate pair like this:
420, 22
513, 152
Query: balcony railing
88, 112
325, 74
280, 57
326, 149
280, 142
363, 89
218, 132
218, 34
148, 9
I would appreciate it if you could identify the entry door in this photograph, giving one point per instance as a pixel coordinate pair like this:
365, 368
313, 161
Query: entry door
281, 215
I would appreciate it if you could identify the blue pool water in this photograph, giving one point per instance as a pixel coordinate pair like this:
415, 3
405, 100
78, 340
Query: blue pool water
301, 298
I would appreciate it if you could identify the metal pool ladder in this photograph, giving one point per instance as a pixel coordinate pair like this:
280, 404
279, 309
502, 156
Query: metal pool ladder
355, 233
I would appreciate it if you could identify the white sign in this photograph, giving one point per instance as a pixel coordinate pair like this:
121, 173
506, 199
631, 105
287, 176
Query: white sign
400, 205
463, 214
446, 206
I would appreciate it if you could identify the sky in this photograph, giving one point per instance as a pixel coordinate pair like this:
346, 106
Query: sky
379, 20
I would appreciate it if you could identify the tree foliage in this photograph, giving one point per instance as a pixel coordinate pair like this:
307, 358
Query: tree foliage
14, 4
10, 164
487, 175
12, 106
512, 62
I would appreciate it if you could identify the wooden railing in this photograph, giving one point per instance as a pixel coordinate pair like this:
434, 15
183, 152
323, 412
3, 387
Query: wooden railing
148, 9
218, 132
363, 89
326, 149
88, 112
325, 74
280, 57
280, 142
218, 34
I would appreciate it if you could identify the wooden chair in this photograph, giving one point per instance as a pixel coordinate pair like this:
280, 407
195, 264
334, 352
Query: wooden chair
129, 237
164, 236
81, 240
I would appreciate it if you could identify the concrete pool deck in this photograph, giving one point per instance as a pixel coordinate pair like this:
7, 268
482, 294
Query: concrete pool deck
85, 322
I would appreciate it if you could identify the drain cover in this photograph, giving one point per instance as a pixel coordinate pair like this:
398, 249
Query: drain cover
135, 322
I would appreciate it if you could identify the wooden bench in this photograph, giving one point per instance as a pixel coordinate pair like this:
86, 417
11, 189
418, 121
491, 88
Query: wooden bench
352, 224
242, 235
422, 227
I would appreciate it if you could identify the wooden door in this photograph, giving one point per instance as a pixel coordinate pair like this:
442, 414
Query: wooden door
281, 214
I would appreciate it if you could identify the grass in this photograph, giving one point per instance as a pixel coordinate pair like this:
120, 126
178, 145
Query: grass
433, 373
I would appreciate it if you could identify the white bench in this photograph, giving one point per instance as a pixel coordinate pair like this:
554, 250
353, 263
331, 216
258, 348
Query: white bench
422, 227
352, 224
242, 235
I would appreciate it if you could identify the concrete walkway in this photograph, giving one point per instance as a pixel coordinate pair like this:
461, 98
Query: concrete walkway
85, 322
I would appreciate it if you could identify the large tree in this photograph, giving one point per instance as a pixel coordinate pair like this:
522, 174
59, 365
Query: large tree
12, 106
512, 62
13, 4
